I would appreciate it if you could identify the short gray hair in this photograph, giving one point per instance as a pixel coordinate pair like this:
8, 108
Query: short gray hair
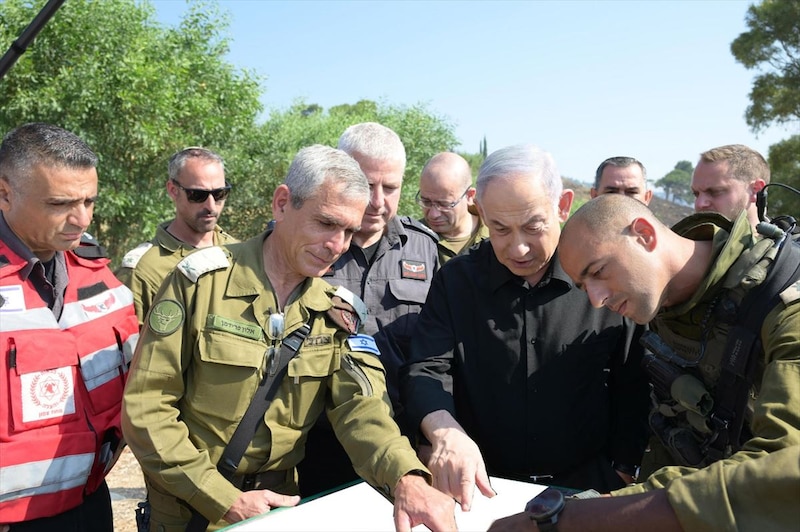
178, 160
45, 144
373, 141
522, 159
314, 165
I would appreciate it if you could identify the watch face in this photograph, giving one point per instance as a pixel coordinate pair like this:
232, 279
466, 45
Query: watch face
546, 504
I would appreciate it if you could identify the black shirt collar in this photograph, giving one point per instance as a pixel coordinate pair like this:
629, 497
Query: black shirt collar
500, 275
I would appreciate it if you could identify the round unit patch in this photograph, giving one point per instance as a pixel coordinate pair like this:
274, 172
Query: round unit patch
165, 317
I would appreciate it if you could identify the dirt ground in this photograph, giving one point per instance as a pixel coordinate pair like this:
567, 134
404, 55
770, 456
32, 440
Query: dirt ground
127, 489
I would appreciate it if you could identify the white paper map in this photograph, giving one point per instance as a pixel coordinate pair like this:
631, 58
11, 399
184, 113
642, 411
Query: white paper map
360, 508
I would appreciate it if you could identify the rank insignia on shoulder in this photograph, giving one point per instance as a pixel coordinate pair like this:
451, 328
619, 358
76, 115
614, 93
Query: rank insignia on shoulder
364, 343
132, 258
203, 261
413, 269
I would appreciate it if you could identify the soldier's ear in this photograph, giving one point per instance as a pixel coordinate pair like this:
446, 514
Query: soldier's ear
280, 201
644, 232
5, 193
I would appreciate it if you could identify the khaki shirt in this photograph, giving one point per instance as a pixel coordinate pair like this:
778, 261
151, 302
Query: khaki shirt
448, 249
761, 494
775, 423
144, 268
200, 358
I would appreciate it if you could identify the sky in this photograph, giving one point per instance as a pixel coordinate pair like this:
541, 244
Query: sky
584, 80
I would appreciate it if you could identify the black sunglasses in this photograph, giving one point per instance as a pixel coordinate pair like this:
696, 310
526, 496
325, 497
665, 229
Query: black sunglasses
199, 195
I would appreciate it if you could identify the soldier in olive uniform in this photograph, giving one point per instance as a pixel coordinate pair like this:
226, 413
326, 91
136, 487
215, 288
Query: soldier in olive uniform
211, 337
198, 188
757, 495
684, 282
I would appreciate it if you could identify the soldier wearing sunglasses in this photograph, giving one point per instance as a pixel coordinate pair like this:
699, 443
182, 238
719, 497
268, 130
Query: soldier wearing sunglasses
198, 188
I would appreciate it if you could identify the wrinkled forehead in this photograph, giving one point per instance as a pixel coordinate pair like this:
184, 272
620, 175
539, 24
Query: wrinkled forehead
629, 176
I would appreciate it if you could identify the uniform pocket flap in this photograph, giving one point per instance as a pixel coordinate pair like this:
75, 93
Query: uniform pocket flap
223, 348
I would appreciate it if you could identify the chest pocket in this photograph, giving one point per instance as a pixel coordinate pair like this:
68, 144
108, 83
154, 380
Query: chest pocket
308, 376
44, 384
229, 367
409, 291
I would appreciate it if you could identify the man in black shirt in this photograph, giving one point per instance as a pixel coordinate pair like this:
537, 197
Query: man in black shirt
512, 371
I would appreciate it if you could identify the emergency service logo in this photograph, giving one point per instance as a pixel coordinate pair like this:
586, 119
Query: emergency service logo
413, 269
47, 394
98, 305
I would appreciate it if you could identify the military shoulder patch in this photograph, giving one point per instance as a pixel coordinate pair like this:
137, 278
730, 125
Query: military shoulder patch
165, 317
364, 343
132, 258
348, 311
203, 261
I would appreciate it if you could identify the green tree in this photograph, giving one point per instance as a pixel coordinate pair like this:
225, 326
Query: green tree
136, 91
287, 130
772, 46
677, 184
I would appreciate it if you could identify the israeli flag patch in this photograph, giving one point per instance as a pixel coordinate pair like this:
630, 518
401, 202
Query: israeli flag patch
364, 343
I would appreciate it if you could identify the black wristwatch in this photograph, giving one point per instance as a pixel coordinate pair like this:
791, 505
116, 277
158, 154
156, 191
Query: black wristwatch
545, 509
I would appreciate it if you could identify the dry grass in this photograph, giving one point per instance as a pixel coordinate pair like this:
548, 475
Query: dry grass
127, 489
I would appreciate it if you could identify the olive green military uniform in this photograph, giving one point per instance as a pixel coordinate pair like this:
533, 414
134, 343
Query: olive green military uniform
761, 495
774, 419
447, 249
144, 268
199, 360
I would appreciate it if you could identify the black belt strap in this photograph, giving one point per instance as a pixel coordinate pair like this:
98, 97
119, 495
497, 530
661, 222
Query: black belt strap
243, 435
742, 348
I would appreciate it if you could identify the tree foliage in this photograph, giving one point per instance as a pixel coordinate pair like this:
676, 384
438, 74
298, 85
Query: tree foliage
423, 133
677, 184
772, 45
784, 160
136, 91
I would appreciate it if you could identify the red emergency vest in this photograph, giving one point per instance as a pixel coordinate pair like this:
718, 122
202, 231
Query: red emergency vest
61, 385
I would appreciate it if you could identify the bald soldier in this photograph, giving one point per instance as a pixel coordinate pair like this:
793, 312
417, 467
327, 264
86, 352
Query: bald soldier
726, 307
447, 198
622, 175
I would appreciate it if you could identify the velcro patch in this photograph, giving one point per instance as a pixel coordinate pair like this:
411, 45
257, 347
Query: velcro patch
203, 261
364, 343
165, 317
132, 258
413, 269
238, 328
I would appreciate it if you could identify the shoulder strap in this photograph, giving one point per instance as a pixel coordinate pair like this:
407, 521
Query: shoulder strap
741, 348
243, 435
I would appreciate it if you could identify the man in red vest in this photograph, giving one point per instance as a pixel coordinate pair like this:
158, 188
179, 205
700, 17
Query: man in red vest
67, 333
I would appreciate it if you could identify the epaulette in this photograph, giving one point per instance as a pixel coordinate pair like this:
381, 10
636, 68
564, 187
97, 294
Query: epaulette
791, 293
348, 311
409, 222
132, 258
203, 261
90, 248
